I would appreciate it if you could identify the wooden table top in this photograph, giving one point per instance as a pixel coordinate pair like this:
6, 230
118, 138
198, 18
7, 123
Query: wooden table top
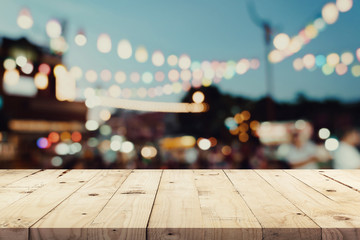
180, 204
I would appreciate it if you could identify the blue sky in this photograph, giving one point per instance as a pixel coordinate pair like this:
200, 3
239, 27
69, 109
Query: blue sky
205, 30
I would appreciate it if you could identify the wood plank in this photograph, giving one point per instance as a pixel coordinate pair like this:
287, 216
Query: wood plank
176, 212
350, 178
225, 213
127, 214
328, 187
14, 175
337, 221
26, 185
70, 219
37, 179
16, 219
3, 171
279, 218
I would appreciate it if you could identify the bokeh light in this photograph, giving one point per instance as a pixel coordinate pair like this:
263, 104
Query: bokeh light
53, 28
76, 72
204, 144
44, 68
333, 59
309, 61
105, 115
184, 62
327, 69
59, 70
27, 68
298, 64
105, 75
11, 77
42, 143
330, 13
331, 144
62, 149
172, 60
173, 75
159, 76
158, 58
185, 75
341, 69
344, 5
135, 77
21, 61
242, 66
41, 81
347, 58
25, 20
320, 60
9, 64
198, 97
91, 76
120, 77
80, 39
127, 147
124, 49
324, 133
104, 43
281, 41
275, 56
355, 70
56, 161
91, 125
148, 152
54, 137
141, 54
147, 77
358, 54
114, 91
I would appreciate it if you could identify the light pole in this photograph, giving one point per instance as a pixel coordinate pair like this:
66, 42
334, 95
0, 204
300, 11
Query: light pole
268, 30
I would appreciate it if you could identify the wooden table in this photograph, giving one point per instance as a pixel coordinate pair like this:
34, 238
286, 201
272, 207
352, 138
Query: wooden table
179, 204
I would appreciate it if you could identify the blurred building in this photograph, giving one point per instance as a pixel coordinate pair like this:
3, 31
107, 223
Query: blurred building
29, 107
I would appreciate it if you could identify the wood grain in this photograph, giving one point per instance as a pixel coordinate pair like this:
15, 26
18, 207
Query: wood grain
279, 218
224, 212
337, 221
176, 213
179, 204
70, 219
16, 219
127, 214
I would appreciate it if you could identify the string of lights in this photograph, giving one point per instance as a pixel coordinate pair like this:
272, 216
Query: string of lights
330, 63
286, 46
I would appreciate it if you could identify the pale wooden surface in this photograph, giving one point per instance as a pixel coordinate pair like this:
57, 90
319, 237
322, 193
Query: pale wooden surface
180, 204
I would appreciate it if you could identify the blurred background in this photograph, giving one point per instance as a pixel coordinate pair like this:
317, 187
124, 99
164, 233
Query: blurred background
205, 84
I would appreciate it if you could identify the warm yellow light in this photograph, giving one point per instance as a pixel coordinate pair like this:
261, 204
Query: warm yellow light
9, 64
330, 13
341, 69
105, 115
141, 54
173, 75
124, 49
281, 41
185, 75
158, 58
198, 97
298, 64
59, 70
333, 59
154, 106
347, 58
344, 5
114, 91
91, 76
41, 81
76, 72
242, 66
11, 77
275, 56
172, 60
